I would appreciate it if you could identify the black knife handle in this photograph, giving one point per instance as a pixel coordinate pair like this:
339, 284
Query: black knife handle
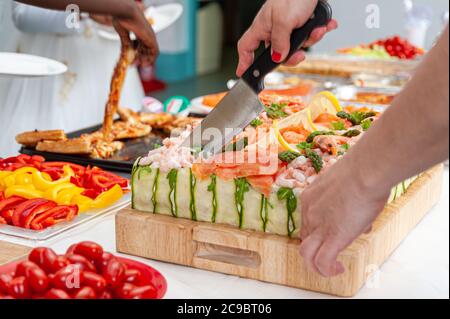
264, 64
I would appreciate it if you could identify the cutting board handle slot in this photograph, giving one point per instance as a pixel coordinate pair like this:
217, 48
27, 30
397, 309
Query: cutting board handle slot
228, 255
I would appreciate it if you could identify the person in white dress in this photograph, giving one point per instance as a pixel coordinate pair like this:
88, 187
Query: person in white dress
71, 101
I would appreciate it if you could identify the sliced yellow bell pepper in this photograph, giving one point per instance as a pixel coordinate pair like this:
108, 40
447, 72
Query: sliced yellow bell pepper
107, 198
84, 203
25, 191
65, 196
24, 179
52, 192
3, 174
42, 184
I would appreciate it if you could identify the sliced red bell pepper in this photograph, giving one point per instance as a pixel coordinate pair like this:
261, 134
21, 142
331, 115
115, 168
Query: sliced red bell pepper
24, 209
11, 202
28, 216
78, 169
53, 216
3, 221
7, 215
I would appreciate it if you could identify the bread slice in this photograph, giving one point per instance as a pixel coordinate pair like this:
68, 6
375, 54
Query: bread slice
32, 138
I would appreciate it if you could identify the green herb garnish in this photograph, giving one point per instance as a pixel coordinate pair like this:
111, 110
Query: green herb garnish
311, 137
192, 206
275, 111
338, 126
304, 145
172, 176
316, 160
291, 206
351, 133
366, 124
264, 211
144, 169
288, 156
155, 190
212, 189
256, 122
156, 145
345, 147
242, 187
355, 117
237, 146
133, 172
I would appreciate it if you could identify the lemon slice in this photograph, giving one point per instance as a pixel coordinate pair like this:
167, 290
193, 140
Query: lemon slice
281, 140
323, 102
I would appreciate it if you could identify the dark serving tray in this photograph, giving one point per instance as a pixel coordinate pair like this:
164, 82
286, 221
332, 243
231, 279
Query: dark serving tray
121, 161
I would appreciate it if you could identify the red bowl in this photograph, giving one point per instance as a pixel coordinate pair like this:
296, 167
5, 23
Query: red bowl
150, 274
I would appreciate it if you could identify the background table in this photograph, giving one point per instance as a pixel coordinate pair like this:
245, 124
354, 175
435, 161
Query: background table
419, 268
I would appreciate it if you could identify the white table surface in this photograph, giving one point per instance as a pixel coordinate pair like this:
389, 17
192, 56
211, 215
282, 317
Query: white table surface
419, 267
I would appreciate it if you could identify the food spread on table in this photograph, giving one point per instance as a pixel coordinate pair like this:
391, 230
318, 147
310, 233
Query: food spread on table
255, 183
85, 271
390, 48
36, 194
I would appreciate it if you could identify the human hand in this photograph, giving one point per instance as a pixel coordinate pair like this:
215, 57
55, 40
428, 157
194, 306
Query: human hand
102, 19
274, 24
337, 208
148, 49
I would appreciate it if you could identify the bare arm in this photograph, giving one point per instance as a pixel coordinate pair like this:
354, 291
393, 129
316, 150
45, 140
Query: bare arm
127, 14
411, 136
117, 8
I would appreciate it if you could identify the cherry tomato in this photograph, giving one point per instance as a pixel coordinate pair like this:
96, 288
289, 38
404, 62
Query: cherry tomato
114, 273
85, 264
43, 257
144, 292
19, 288
124, 291
68, 278
101, 264
86, 293
59, 263
88, 249
106, 295
95, 281
133, 276
56, 294
37, 279
71, 249
5, 279
21, 268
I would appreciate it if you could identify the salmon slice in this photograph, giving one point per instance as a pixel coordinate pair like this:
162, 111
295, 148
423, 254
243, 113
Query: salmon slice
230, 165
262, 184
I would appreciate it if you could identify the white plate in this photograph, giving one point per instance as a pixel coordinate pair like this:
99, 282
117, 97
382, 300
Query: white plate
162, 16
25, 65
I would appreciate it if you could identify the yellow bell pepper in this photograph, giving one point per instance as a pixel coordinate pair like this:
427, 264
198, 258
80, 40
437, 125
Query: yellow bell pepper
25, 191
65, 196
107, 198
3, 174
84, 203
24, 179
52, 192
42, 184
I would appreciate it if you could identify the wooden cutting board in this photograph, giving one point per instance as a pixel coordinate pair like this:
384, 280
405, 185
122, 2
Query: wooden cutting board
10, 252
274, 258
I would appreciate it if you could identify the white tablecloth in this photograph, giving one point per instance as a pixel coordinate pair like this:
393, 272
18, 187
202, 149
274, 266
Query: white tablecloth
419, 268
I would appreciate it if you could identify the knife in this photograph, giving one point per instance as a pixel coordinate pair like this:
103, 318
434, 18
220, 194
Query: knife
241, 105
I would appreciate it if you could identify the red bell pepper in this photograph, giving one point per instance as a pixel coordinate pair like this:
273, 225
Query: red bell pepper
25, 208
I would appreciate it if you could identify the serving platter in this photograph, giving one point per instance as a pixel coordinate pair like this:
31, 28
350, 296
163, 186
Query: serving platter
273, 258
149, 274
57, 229
121, 161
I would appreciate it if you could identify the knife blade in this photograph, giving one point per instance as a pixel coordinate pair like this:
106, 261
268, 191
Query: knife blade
241, 105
